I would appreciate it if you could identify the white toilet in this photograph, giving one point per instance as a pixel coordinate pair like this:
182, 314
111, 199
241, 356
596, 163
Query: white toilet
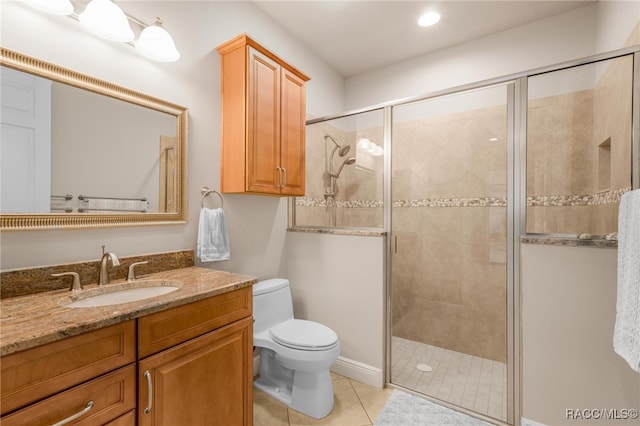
295, 354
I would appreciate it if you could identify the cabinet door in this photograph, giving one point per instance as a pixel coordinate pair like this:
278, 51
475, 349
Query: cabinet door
205, 381
263, 128
292, 139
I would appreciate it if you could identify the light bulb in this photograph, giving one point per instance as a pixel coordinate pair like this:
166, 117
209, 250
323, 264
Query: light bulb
105, 19
156, 43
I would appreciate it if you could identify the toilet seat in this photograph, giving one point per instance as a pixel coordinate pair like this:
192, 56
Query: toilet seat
304, 335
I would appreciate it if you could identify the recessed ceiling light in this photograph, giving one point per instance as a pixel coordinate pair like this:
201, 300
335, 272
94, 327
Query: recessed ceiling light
429, 19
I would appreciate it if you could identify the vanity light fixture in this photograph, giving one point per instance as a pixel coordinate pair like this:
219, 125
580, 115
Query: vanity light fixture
57, 7
105, 19
156, 43
428, 19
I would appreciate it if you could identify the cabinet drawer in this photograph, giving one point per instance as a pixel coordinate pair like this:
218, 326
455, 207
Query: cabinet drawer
37, 373
128, 419
168, 328
113, 395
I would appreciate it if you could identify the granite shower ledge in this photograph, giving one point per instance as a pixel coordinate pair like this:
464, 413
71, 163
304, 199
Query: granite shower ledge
337, 231
33, 320
568, 242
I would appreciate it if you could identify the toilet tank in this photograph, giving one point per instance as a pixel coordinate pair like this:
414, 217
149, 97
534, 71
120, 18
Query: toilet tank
272, 303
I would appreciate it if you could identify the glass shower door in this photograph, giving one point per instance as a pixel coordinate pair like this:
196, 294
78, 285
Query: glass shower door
449, 249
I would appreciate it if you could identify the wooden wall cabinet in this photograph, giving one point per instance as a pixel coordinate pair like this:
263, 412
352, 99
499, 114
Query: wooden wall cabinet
194, 367
263, 121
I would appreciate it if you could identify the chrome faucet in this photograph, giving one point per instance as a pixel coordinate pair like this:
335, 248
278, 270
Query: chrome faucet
103, 277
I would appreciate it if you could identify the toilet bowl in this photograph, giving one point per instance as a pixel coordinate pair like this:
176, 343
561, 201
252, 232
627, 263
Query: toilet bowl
295, 355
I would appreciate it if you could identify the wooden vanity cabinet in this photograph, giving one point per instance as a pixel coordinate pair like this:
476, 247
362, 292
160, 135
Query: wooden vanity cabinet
92, 375
194, 366
263, 121
199, 368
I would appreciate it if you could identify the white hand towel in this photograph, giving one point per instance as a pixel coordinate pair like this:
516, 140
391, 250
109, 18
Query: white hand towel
213, 241
626, 336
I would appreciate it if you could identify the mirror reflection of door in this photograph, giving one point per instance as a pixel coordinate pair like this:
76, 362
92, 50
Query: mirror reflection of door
25, 144
167, 184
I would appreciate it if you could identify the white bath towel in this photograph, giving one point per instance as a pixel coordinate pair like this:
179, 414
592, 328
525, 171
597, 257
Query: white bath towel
213, 241
626, 336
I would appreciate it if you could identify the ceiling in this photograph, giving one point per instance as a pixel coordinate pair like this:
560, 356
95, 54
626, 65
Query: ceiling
357, 36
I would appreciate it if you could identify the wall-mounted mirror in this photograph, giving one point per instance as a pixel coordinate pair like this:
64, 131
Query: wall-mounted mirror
79, 152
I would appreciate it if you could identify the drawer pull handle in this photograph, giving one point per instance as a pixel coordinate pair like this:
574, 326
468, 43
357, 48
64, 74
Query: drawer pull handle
147, 376
77, 415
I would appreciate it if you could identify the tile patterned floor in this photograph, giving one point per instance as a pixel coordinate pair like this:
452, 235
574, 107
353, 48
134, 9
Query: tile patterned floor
356, 404
468, 381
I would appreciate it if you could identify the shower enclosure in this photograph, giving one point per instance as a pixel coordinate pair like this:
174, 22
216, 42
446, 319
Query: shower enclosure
453, 180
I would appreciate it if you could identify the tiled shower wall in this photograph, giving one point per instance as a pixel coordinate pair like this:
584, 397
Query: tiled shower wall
358, 202
573, 187
449, 262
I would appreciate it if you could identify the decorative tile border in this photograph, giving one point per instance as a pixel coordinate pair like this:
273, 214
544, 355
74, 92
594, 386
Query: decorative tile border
453, 202
601, 198
345, 204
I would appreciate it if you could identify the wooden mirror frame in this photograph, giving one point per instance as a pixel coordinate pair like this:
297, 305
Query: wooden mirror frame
41, 221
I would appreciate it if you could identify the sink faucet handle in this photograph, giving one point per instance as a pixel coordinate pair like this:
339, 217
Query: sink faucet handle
75, 284
132, 273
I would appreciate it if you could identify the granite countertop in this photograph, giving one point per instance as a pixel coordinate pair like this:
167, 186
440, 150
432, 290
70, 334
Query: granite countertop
33, 320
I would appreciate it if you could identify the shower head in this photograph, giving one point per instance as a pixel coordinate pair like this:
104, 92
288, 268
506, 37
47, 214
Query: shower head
346, 162
343, 150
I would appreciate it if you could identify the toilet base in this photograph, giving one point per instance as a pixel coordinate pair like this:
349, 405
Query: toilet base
309, 392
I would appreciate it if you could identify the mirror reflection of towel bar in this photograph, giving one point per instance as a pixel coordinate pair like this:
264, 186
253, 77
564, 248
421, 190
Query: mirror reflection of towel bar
87, 197
206, 191
66, 197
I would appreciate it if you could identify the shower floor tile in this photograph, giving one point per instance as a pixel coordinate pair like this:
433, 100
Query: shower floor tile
468, 381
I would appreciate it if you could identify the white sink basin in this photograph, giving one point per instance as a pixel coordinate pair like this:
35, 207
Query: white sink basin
120, 293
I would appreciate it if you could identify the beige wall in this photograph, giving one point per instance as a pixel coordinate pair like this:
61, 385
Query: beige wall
568, 315
345, 292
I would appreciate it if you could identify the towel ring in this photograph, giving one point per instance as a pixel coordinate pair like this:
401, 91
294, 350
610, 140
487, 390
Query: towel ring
206, 191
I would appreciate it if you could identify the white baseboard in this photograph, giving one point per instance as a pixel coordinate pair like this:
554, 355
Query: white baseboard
355, 370
527, 422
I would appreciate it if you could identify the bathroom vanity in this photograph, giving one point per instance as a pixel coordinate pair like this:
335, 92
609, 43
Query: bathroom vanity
178, 358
